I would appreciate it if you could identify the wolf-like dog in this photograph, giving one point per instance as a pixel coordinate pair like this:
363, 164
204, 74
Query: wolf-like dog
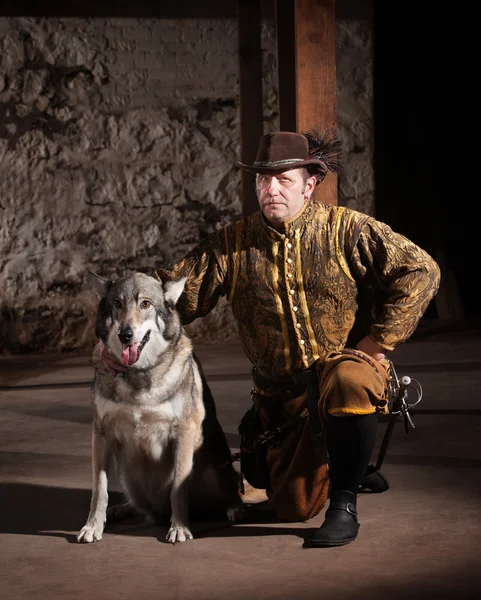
158, 419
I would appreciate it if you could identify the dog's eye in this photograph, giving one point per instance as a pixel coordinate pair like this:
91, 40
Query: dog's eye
117, 304
145, 304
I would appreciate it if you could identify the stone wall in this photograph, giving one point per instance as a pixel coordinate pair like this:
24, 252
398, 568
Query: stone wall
117, 146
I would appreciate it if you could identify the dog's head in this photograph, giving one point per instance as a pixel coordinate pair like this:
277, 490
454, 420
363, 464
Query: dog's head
136, 317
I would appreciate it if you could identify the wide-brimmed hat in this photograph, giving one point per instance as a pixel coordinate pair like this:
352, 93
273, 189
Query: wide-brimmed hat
285, 150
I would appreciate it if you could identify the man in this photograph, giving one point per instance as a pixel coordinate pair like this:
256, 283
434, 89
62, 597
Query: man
315, 289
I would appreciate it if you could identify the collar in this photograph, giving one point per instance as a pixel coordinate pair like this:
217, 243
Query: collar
289, 226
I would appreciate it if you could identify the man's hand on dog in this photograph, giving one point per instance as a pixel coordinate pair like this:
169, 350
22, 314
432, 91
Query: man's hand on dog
111, 364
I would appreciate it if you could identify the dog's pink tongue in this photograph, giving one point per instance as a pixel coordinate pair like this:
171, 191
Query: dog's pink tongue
129, 354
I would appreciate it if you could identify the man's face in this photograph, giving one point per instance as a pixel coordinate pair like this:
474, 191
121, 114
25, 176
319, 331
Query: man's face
282, 195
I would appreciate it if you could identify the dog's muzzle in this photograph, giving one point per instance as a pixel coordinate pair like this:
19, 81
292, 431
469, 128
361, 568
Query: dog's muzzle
131, 352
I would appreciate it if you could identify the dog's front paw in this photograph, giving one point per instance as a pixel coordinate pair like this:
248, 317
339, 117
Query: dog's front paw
89, 534
178, 533
236, 513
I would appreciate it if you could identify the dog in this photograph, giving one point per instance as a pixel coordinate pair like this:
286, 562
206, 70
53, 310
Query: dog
158, 418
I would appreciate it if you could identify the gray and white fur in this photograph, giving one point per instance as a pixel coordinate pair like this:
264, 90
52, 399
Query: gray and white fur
157, 419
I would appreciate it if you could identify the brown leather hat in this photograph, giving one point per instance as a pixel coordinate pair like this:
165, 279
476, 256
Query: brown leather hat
282, 151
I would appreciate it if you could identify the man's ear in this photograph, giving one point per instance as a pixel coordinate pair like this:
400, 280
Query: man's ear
173, 290
99, 284
310, 185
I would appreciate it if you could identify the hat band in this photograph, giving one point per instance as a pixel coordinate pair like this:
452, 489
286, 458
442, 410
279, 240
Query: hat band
279, 163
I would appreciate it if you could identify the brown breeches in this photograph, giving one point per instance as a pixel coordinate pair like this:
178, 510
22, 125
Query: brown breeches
349, 384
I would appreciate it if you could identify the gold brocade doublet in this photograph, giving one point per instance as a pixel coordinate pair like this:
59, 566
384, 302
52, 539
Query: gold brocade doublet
297, 293
292, 299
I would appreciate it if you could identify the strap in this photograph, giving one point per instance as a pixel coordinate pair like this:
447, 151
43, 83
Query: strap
310, 380
347, 506
271, 437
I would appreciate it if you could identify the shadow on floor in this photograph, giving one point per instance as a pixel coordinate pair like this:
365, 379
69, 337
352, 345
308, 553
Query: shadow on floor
28, 509
16, 366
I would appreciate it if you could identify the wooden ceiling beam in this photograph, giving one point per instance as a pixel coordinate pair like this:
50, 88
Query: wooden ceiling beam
185, 9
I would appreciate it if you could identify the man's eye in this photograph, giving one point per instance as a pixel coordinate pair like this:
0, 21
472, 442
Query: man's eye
145, 304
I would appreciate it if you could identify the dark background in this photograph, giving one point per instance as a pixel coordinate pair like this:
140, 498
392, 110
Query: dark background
426, 136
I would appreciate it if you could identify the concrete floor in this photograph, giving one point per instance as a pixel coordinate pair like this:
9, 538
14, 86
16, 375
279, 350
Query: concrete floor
420, 539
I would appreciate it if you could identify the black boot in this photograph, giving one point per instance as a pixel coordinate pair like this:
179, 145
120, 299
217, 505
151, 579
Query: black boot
350, 441
340, 525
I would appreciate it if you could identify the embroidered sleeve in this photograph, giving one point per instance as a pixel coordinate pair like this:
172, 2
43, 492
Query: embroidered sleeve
404, 277
205, 267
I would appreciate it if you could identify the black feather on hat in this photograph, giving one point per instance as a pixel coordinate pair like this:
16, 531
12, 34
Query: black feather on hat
326, 147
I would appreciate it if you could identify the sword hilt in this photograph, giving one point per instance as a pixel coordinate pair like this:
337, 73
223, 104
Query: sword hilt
398, 393
399, 389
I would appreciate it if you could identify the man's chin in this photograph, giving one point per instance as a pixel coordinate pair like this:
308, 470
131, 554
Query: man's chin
275, 213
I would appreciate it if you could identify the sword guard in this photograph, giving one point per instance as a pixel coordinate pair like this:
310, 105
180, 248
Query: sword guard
398, 389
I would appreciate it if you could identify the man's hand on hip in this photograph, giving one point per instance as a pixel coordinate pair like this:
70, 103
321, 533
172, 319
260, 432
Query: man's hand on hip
369, 346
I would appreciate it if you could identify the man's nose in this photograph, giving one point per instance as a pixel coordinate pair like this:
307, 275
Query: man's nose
273, 186
126, 334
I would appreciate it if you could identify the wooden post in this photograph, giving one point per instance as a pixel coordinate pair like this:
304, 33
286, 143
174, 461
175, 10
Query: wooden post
250, 82
307, 72
286, 64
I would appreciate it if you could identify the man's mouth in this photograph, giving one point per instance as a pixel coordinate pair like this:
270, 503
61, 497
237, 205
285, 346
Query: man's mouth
131, 353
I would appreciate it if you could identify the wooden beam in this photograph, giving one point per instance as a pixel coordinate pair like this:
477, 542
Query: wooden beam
250, 83
307, 72
186, 9
286, 64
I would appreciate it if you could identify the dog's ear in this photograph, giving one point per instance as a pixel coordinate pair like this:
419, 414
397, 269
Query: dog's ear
173, 290
99, 284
